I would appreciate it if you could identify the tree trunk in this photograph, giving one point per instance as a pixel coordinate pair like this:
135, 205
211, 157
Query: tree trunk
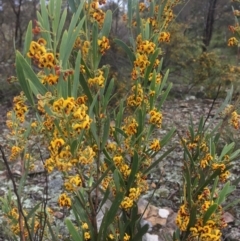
207, 33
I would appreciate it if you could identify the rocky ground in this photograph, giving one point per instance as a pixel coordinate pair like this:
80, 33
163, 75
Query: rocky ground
165, 182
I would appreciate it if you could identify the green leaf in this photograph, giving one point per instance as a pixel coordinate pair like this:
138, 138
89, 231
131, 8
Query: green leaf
130, 13
76, 76
33, 210
167, 137
95, 52
106, 131
150, 67
22, 80
29, 74
120, 114
72, 230
164, 96
54, 238
110, 215
61, 25
155, 163
28, 38
227, 189
63, 46
74, 146
22, 183
187, 176
193, 216
86, 89
45, 23
93, 129
107, 24
108, 94
214, 187
128, 51
231, 204
235, 154
56, 12
72, 36
72, 5
134, 170
93, 106
209, 212
226, 150
143, 230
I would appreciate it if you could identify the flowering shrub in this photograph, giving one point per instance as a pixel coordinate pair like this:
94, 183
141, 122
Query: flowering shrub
205, 187
103, 153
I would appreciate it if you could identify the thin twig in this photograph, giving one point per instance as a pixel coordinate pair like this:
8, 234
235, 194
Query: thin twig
15, 190
45, 200
211, 108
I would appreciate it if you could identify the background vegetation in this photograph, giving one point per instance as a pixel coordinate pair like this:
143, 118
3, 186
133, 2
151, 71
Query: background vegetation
196, 55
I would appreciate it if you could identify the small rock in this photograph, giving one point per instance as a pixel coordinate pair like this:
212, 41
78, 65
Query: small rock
163, 213
58, 215
228, 217
150, 237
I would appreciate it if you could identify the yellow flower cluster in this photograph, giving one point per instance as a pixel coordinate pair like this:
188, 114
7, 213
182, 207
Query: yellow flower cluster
155, 145
183, 217
39, 54
73, 118
206, 160
144, 50
130, 127
208, 231
158, 78
164, 37
64, 200
224, 174
86, 156
19, 107
98, 80
236, 13
95, 12
83, 45
167, 14
121, 165
103, 45
15, 152
12, 218
86, 233
50, 79
235, 120
142, 7
155, 118
145, 46
136, 97
232, 42
129, 200
72, 183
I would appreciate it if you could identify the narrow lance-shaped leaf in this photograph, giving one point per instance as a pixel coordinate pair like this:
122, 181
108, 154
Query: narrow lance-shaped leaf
127, 50
23, 81
28, 38
105, 133
209, 212
76, 75
107, 24
73, 232
29, 74
134, 169
56, 13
